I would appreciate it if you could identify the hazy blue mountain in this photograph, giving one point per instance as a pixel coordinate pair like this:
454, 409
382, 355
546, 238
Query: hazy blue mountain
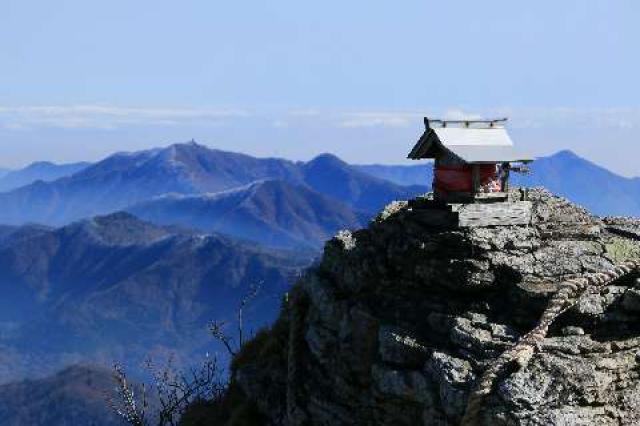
271, 212
42, 170
564, 173
331, 176
418, 174
125, 179
585, 183
115, 287
73, 396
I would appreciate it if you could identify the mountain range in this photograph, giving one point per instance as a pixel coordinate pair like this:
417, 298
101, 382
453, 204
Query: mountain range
85, 282
133, 255
274, 213
564, 173
39, 171
175, 177
118, 288
592, 186
73, 396
126, 179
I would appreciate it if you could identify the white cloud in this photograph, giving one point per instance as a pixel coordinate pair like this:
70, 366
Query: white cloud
571, 117
110, 117
13, 126
305, 112
379, 119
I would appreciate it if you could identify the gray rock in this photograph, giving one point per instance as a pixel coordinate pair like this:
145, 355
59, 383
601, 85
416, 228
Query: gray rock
481, 337
572, 331
631, 300
454, 377
401, 318
397, 347
409, 385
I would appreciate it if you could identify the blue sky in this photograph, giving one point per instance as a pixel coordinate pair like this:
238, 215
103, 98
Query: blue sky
81, 79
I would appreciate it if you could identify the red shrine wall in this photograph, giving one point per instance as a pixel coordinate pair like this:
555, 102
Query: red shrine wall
459, 178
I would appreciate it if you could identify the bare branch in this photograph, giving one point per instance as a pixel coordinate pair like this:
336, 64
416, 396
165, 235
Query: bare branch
217, 327
217, 331
127, 407
175, 391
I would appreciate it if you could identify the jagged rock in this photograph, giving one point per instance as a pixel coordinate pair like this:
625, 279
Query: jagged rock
479, 336
400, 348
571, 330
455, 377
400, 319
631, 300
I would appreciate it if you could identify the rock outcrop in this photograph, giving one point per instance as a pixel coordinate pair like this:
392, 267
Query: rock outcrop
397, 322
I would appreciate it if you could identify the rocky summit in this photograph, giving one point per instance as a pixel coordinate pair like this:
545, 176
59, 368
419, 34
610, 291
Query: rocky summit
397, 322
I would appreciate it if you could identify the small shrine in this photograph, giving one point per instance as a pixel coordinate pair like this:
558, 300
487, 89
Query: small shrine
473, 160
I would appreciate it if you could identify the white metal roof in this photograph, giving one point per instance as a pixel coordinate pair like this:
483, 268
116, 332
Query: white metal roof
456, 136
479, 141
488, 154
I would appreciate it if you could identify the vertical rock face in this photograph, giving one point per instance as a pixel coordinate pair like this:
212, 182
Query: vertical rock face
397, 321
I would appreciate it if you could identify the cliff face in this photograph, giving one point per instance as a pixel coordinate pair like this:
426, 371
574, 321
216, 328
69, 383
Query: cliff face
397, 322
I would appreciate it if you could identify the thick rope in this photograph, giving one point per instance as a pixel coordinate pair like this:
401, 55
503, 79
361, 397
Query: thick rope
566, 296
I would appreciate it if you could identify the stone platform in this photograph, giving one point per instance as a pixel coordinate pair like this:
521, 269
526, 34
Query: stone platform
469, 215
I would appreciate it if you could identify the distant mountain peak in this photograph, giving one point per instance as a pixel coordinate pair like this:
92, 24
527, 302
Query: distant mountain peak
566, 153
40, 164
328, 159
120, 228
191, 144
115, 217
39, 171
